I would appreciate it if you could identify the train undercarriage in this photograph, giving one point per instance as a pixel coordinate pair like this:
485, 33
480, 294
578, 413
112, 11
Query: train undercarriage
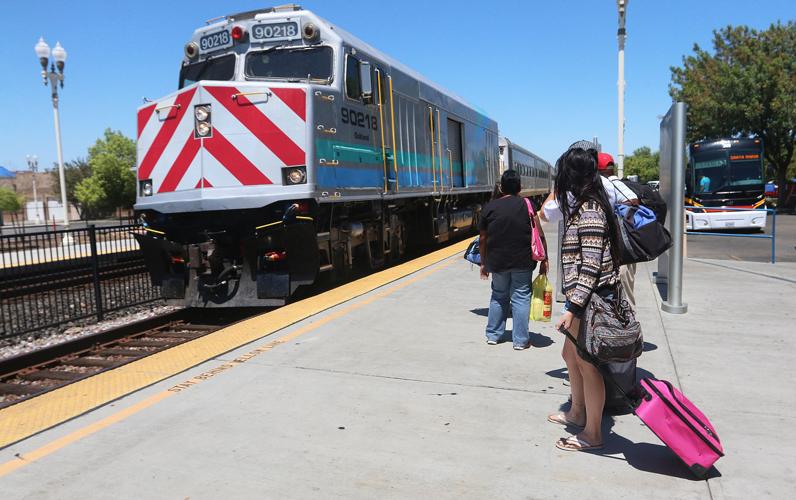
260, 257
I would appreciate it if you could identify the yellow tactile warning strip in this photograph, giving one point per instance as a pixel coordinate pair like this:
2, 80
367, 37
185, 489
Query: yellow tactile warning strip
21, 460
29, 417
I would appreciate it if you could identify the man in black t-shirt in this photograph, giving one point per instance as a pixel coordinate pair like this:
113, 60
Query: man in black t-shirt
505, 247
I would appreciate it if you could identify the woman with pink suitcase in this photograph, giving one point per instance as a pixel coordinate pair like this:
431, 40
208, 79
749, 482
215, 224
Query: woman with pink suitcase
602, 327
590, 262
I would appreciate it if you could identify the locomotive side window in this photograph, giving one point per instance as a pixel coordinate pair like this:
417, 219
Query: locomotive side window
353, 86
219, 69
292, 63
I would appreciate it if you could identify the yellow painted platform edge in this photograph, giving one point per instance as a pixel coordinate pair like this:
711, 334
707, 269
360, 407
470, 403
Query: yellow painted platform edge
30, 417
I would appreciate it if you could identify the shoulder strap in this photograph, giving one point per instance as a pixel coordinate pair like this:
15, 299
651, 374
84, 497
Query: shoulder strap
531, 211
620, 191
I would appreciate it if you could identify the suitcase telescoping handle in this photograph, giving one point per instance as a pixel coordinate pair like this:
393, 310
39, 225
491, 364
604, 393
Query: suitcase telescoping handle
631, 402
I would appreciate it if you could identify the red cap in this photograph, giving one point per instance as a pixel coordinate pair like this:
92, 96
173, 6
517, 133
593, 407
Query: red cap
604, 161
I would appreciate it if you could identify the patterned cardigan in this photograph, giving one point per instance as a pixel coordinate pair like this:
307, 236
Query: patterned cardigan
586, 256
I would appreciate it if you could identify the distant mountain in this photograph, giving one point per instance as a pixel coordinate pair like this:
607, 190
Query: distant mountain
6, 173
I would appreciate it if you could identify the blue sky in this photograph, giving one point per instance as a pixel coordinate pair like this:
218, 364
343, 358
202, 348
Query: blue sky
546, 71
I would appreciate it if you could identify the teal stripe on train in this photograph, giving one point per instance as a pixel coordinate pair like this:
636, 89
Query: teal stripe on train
363, 166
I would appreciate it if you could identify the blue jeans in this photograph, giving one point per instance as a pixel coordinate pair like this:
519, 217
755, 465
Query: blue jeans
510, 287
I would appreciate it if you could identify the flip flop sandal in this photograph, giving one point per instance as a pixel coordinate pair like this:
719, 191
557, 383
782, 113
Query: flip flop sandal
561, 419
574, 443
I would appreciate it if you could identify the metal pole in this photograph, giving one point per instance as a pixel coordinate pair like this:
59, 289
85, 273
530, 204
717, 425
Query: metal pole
774, 236
35, 199
92, 236
61, 177
674, 296
620, 143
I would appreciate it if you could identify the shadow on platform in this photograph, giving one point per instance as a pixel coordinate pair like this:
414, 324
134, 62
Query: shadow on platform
646, 457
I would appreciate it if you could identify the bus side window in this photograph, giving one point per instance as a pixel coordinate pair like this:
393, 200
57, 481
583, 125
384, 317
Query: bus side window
353, 87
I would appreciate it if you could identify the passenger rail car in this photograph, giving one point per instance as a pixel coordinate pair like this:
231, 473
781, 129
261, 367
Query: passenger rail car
293, 149
536, 175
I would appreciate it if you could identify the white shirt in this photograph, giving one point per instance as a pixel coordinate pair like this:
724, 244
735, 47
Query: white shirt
617, 193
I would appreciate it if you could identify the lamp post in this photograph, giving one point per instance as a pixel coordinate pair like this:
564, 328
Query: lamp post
620, 35
55, 78
33, 164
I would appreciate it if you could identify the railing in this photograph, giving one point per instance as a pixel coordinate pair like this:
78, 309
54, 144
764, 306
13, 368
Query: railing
772, 236
51, 278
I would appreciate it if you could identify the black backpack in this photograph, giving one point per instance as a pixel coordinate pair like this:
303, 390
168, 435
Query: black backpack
649, 198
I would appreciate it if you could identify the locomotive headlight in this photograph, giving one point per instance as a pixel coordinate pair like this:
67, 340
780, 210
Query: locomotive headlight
295, 175
310, 32
202, 120
146, 187
202, 113
191, 50
202, 129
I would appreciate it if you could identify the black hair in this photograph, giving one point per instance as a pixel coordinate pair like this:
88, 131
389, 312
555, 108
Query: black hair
510, 182
576, 173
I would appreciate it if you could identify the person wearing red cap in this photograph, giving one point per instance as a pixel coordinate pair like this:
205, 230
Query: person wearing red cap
605, 165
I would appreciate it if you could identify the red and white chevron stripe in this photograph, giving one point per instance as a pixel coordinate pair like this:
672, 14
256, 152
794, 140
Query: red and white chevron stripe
255, 133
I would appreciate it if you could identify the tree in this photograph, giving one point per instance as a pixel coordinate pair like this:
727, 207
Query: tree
112, 181
644, 163
747, 87
11, 202
74, 172
92, 197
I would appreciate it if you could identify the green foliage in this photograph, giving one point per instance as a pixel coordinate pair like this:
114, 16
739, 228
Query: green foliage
112, 181
10, 201
644, 163
74, 172
746, 87
91, 195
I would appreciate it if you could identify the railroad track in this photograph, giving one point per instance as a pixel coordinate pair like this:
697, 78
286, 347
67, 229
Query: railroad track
38, 278
28, 375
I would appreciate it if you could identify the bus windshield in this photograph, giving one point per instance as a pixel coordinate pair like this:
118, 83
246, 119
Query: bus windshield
745, 168
710, 172
298, 63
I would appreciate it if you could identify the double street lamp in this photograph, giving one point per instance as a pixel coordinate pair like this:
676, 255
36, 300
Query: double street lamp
33, 163
55, 78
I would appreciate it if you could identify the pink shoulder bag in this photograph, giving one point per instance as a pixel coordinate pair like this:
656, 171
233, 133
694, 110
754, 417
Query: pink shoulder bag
537, 247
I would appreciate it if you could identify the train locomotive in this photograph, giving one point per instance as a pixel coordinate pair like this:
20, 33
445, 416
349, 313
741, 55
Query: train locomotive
292, 151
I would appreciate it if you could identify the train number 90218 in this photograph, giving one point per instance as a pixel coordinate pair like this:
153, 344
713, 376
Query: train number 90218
359, 119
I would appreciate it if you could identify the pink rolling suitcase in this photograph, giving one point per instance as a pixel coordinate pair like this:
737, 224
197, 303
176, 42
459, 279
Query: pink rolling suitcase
679, 424
673, 418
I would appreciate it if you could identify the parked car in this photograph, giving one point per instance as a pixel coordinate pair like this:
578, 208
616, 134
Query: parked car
656, 185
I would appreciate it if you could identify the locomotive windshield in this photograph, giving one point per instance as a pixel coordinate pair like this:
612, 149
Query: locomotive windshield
220, 68
292, 64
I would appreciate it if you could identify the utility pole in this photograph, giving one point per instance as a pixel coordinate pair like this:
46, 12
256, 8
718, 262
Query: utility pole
621, 35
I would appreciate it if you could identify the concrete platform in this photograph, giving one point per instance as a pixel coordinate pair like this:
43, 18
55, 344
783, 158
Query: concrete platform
395, 394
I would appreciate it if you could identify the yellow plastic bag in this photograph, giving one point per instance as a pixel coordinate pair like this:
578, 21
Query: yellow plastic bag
541, 299
537, 298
